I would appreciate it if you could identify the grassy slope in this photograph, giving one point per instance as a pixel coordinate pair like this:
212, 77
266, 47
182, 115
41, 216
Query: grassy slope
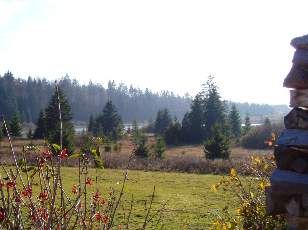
191, 203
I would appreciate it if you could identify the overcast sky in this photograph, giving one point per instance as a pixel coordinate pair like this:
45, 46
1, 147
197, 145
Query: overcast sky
162, 44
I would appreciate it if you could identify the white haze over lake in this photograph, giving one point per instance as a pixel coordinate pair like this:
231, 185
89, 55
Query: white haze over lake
163, 44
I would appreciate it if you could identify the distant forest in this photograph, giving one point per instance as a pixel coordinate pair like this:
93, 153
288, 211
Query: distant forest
28, 97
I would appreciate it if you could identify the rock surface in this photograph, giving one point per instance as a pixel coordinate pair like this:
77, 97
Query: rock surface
297, 78
297, 118
300, 42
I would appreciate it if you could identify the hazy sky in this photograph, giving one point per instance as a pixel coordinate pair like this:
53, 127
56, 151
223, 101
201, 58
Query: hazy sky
162, 44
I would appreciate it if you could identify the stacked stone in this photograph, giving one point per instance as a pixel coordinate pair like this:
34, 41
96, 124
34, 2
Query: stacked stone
288, 193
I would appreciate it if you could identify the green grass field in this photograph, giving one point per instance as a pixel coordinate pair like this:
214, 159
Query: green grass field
190, 202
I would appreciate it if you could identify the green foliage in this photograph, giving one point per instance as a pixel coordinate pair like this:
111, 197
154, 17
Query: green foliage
173, 135
91, 124
217, 146
135, 132
159, 148
254, 139
235, 123
40, 131
15, 125
1, 134
162, 121
109, 122
52, 121
141, 147
250, 196
247, 126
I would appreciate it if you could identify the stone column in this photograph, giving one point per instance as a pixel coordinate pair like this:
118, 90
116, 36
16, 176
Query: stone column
288, 193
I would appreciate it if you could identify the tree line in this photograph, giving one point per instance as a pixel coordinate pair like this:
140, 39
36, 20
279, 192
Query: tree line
29, 97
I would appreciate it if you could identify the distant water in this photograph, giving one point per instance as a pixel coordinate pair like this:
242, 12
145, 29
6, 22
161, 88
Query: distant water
83, 128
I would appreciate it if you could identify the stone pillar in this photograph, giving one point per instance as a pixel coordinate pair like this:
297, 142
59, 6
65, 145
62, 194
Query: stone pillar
288, 193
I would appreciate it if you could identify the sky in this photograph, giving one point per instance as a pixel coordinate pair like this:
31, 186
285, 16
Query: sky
161, 45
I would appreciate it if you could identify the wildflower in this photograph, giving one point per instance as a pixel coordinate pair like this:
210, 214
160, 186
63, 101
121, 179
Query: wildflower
43, 196
105, 219
98, 216
63, 154
89, 181
47, 155
96, 197
11, 184
17, 199
74, 189
2, 215
27, 192
42, 162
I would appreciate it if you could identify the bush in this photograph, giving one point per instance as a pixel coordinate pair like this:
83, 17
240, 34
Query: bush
250, 196
254, 139
141, 148
159, 148
217, 146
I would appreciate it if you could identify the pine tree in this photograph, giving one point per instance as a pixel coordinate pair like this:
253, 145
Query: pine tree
40, 131
52, 120
173, 134
141, 148
214, 108
91, 124
135, 131
162, 121
110, 121
217, 146
30, 134
247, 126
159, 148
235, 123
15, 126
267, 122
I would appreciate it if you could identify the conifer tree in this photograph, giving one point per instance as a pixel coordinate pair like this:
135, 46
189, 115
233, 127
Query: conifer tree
52, 119
162, 121
214, 108
110, 121
1, 134
159, 148
40, 131
217, 146
235, 123
247, 126
15, 126
91, 124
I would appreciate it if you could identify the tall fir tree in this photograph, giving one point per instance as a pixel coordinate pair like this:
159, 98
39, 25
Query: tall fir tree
91, 124
214, 108
235, 123
247, 126
110, 121
162, 121
52, 119
15, 126
40, 131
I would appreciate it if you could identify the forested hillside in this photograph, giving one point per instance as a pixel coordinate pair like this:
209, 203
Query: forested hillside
28, 97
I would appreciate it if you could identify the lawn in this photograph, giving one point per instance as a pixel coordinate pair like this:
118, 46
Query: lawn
190, 202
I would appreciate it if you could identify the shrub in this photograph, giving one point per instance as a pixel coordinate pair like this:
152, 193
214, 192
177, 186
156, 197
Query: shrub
254, 139
141, 148
159, 148
217, 146
250, 196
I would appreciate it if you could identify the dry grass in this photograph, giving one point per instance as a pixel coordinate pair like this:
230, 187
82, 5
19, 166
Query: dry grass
188, 158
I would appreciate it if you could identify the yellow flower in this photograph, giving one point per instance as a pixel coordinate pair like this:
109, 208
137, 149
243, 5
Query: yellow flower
233, 172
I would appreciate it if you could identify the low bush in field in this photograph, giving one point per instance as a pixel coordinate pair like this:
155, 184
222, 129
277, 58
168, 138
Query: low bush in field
250, 213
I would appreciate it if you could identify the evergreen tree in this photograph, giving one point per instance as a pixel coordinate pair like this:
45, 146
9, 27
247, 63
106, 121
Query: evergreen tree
141, 148
235, 123
4, 130
91, 124
162, 121
214, 108
30, 134
15, 126
135, 131
247, 126
159, 148
52, 119
193, 122
173, 133
110, 121
217, 146
267, 122
40, 131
